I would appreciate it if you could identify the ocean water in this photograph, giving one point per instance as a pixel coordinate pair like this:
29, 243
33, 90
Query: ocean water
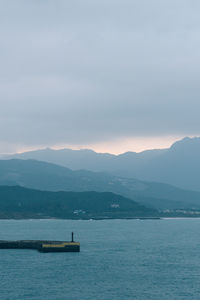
119, 259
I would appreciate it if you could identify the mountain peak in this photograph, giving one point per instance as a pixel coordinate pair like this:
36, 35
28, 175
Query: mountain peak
186, 143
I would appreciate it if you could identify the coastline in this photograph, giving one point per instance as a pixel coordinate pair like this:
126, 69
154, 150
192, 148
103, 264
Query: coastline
99, 219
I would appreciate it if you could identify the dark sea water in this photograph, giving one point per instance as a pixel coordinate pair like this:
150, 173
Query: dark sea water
119, 259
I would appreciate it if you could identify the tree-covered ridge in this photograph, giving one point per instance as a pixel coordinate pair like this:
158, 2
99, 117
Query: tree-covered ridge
18, 202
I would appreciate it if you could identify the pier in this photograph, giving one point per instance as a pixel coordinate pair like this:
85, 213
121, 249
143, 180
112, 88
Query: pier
42, 245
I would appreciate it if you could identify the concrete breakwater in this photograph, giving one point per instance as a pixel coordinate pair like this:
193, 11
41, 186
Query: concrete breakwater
41, 245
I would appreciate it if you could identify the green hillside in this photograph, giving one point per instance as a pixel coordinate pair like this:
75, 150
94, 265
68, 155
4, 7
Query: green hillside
49, 177
18, 202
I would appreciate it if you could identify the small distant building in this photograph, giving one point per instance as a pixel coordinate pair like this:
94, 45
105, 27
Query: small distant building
115, 205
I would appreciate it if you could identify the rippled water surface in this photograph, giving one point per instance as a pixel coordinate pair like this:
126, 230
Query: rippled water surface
119, 259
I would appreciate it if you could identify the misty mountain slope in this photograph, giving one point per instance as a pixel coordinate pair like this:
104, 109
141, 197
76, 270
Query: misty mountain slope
18, 202
49, 177
90, 160
73, 159
178, 165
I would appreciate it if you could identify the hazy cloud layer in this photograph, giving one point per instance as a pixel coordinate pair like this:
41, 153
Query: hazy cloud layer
89, 71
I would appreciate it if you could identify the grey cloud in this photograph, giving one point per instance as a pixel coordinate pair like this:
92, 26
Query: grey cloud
88, 71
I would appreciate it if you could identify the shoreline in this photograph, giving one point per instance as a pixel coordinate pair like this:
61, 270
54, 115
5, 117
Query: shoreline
99, 219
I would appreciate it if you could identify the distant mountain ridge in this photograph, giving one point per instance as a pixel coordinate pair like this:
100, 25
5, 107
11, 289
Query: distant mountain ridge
18, 202
179, 165
50, 177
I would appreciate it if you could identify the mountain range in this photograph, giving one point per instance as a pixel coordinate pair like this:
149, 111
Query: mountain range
18, 202
50, 177
179, 165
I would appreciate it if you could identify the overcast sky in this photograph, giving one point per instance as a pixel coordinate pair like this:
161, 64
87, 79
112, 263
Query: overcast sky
98, 72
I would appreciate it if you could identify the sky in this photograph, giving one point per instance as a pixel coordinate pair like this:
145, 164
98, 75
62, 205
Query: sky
111, 75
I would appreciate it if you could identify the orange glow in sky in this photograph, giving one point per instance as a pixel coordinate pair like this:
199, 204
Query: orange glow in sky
137, 144
127, 144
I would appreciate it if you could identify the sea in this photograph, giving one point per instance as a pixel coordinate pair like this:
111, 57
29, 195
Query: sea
119, 259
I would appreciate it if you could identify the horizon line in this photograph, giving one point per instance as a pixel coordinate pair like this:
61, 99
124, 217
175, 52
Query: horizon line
90, 148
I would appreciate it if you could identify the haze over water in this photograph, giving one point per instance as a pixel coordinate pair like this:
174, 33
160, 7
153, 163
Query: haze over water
119, 259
